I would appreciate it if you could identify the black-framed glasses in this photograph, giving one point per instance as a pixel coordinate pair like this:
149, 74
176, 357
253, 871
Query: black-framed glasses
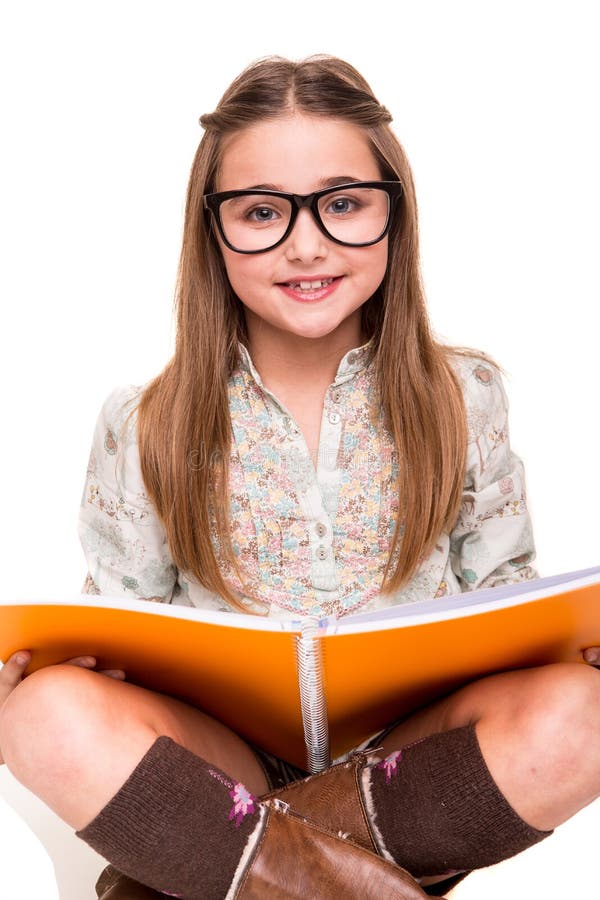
356, 214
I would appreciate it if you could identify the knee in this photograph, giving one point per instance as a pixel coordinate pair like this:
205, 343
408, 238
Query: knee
47, 716
561, 703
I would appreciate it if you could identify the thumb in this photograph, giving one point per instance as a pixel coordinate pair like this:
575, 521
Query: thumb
13, 669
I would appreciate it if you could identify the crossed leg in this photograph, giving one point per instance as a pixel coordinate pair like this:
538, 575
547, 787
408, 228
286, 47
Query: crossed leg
539, 733
73, 737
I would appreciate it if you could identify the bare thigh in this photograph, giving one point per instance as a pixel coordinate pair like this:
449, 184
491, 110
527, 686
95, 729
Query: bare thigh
503, 698
73, 737
195, 730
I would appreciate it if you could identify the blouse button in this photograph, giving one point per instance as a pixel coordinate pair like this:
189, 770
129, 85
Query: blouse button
336, 396
321, 553
321, 530
334, 418
352, 357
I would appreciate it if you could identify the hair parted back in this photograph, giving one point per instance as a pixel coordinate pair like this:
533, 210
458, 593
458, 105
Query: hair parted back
184, 424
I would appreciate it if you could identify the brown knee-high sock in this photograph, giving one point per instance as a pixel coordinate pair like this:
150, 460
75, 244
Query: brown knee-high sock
436, 809
178, 824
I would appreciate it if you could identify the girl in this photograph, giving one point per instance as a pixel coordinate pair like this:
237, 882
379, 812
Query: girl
309, 449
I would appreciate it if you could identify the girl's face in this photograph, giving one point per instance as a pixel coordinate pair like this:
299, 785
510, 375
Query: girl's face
299, 154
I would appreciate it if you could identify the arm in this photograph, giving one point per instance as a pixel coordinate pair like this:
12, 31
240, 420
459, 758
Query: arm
122, 538
492, 540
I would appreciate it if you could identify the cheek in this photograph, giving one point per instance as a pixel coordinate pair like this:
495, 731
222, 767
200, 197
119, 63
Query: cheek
235, 265
246, 274
382, 258
376, 264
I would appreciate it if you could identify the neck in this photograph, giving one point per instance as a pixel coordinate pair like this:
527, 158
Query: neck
282, 358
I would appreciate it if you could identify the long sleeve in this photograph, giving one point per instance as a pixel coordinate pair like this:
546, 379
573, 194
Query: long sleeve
122, 538
492, 541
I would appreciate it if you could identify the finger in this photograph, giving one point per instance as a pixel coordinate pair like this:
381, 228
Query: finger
592, 655
87, 662
119, 674
12, 670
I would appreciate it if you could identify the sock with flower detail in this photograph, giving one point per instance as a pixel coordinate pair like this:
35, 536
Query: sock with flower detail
183, 827
173, 792
434, 808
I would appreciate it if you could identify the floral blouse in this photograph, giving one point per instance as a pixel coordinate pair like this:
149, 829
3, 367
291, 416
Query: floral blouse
312, 540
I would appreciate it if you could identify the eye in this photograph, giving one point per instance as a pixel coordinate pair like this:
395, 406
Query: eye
340, 206
261, 214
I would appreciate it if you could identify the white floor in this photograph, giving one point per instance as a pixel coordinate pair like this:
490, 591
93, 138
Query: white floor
40, 858
44, 861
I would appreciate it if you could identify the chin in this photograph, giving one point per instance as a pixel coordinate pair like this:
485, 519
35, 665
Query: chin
313, 326
314, 333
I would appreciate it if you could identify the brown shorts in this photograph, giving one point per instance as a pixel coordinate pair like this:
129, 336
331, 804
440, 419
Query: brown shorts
278, 772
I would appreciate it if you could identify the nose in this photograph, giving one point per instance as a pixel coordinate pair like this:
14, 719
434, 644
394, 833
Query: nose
306, 241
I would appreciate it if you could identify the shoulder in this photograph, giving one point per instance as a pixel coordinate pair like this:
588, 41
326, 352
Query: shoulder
120, 407
482, 386
115, 445
486, 407
116, 425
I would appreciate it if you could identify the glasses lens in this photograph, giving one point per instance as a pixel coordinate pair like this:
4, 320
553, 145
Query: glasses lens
355, 215
255, 221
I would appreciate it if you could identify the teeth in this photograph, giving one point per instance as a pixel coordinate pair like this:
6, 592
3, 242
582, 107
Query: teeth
309, 285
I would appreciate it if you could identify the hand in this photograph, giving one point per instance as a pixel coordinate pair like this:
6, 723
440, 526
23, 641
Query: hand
12, 673
592, 656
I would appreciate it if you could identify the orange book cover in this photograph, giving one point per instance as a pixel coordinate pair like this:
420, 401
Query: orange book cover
311, 689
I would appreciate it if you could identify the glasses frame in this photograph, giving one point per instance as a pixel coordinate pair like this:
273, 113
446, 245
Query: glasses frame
212, 202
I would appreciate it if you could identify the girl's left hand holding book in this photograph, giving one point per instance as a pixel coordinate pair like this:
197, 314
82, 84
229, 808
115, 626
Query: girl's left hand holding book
12, 673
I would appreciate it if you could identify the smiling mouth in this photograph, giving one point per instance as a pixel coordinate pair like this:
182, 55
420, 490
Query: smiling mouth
309, 285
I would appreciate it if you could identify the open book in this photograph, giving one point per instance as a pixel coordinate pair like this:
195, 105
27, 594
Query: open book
311, 689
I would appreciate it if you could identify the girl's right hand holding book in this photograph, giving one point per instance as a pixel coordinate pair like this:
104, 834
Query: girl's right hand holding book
13, 670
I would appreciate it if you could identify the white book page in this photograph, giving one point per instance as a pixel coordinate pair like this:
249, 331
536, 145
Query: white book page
468, 603
465, 604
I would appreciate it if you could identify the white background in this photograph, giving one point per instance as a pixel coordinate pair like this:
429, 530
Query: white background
496, 105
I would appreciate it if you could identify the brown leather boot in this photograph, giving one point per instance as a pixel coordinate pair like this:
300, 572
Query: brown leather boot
334, 798
296, 859
113, 885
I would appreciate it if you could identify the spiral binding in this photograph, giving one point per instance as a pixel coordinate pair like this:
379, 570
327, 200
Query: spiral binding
312, 696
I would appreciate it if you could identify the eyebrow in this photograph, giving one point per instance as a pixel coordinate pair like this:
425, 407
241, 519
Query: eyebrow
322, 183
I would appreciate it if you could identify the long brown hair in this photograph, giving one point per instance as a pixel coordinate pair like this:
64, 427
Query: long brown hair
184, 424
